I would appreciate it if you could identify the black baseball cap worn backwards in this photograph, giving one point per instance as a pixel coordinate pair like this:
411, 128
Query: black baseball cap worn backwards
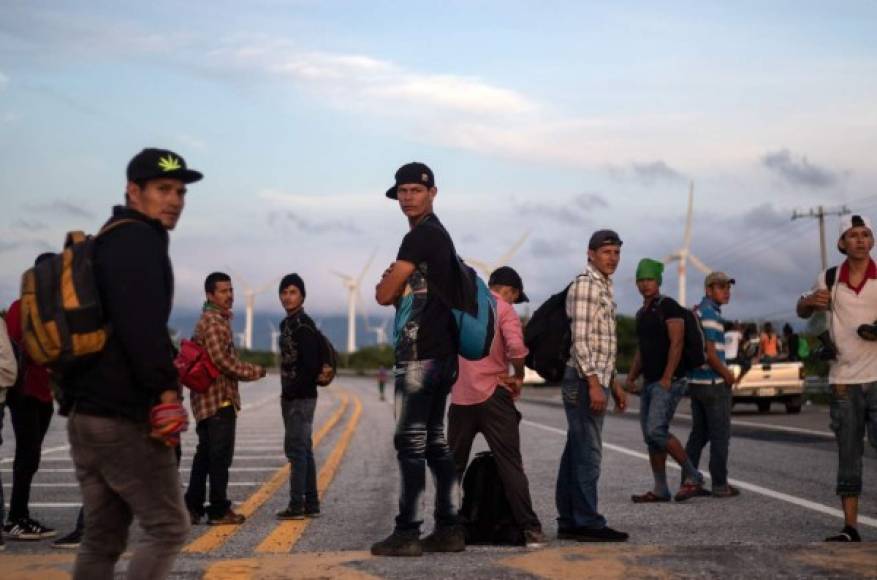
160, 163
414, 172
602, 238
507, 276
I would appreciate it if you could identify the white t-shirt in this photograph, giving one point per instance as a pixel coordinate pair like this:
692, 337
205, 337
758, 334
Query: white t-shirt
856, 358
732, 343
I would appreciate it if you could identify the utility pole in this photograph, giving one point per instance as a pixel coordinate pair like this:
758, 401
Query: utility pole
819, 213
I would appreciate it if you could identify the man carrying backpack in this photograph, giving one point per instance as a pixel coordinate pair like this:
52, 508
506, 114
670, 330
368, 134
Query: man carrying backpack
300, 365
124, 412
848, 293
589, 378
660, 331
426, 268
710, 389
482, 401
216, 409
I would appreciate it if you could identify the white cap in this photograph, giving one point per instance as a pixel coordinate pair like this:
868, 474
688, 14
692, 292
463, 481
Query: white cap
850, 221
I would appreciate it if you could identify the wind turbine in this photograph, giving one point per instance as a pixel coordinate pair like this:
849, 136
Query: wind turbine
250, 305
487, 269
380, 332
275, 334
352, 284
683, 254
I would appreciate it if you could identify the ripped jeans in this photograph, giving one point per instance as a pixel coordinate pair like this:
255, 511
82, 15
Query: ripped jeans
422, 389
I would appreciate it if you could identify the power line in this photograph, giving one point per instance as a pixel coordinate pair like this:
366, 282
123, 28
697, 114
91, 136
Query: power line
819, 214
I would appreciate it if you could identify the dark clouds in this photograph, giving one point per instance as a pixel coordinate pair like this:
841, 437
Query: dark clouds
283, 220
799, 171
573, 212
648, 172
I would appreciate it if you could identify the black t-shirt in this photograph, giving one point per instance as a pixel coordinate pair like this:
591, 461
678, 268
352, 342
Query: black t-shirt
424, 326
654, 339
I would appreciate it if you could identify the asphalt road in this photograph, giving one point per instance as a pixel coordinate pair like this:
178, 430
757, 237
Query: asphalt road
784, 465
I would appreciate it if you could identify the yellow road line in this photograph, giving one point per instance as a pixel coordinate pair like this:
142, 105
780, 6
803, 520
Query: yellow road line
216, 536
287, 533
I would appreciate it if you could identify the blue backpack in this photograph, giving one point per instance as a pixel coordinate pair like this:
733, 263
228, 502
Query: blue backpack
475, 331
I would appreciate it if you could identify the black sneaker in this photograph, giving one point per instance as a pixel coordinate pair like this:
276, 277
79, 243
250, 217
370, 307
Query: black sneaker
195, 517
848, 534
69, 542
229, 518
445, 539
606, 534
292, 513
312, 511
399, 545
569, 533
27, 530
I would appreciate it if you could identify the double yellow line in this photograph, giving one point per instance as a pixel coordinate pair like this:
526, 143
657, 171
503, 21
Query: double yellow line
217, 536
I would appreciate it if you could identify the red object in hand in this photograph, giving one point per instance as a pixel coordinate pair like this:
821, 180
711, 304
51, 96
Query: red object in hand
168, 420
195, 367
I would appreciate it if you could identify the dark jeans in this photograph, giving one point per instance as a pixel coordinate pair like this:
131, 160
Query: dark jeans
853, 409
497, 419
711, 423
298, 423
2, 499
422, 389
123, 473
30, 421
579, 472
212, 459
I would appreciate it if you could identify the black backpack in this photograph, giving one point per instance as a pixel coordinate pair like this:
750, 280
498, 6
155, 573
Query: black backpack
693, 342
548, 337
486, 514
328, 357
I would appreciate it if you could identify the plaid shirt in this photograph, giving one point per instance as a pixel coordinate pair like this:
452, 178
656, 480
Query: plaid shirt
213, 332
591, 308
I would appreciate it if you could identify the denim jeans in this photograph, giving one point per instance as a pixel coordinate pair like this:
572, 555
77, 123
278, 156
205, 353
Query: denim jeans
298, 423
422, 389
579, 472
657, 408
123, 473
853, 409
711, 423
213, 457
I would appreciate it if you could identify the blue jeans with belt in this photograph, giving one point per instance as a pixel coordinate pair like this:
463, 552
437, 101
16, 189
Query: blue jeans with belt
579, 473
422, 389
853, 410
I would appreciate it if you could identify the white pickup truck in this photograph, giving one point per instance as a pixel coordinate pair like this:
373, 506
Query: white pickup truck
766, 383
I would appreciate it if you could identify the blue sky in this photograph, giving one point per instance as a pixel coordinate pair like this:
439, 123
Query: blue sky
556, 118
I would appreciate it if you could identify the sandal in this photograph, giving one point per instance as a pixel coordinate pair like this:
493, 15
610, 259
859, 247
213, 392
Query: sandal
649, 497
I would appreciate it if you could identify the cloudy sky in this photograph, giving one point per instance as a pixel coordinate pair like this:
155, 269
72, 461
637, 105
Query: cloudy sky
553, 118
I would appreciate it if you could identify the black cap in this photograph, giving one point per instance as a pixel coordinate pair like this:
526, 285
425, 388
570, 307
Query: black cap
414, 172
602, 238
506, 276
160, 163
293, 280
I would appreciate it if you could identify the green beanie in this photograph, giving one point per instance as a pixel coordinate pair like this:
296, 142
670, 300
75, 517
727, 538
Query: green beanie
649, 269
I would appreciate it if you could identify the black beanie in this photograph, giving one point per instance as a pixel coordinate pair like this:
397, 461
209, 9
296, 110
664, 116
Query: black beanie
293, 280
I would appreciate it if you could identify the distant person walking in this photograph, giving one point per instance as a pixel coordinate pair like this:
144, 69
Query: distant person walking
849, 294
710, 388
482, 401
31, 409
382, 382
660, 331
426, 268
124, 411
8, 375
589, 379
300, 365
216, 409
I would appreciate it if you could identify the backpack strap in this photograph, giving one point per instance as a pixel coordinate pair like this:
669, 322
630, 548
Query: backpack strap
830, 277
113, 225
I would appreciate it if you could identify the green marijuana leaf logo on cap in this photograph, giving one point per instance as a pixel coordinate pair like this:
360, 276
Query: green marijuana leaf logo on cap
169, 163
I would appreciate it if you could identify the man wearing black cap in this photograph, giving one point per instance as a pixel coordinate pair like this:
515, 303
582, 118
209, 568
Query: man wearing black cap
300, 365
482, 401
424, 283
123, 406
590, 375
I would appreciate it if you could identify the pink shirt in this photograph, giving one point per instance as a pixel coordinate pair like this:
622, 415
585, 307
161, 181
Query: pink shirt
477, 380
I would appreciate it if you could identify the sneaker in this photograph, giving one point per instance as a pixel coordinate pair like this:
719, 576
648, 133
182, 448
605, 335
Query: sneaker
569, 533
690, 490
229, 518
606, 534
848, 534
292, 513
399, 545
312, 511
445, 539
27, 530
726, 491
534, 538
69, 542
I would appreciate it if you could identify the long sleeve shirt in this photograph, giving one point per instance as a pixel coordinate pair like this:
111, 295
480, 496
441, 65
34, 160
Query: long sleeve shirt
591, 309
213, 332
477, 380
300, 358
8, 364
